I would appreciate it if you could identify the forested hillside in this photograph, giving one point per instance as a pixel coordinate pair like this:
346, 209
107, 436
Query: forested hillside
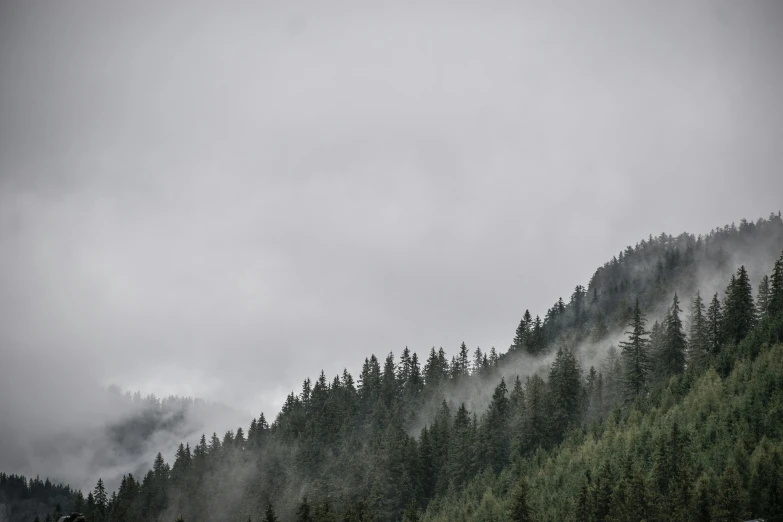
654, 392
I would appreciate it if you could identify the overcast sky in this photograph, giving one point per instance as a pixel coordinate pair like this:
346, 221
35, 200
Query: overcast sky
221, 198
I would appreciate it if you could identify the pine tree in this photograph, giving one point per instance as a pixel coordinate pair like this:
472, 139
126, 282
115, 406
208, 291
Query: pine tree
671, 356
776, 288
729, 506
534, 430
739, 315
582, 508
523, 331
404, 367
493, 357
460, 448
703, 500
763, 297
698, 344
463, 361
101, 500
714, 322
411, 514
520, 510
566, 389
636, 357
478, 361
495, 436
269, 513
303, 512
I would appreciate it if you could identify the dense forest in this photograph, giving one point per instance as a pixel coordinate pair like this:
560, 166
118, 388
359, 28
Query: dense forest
655, 392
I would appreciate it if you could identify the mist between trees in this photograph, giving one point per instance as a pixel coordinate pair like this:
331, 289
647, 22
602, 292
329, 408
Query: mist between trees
595, 411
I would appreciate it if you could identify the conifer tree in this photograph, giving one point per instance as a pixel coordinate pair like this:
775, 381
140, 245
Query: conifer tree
404, 367
671, 356
582, 508
101, 500
478, 361
776, 288
535, 344
495, 429
415, 383
763, 297
461, 448
463, 361
565, 388
739, 315
702, 500
520, 510
432, 369
698, 344
493, 357
411, 514
636, 358
730, 503
535, 429
303, 512
714, 322
523, 331
269, 513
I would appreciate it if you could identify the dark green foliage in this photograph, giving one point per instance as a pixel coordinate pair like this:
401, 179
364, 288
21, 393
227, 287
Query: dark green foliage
763, 297
523, 332
494, 432
565, 389
776, 288
698, 343
714, 321
730, 504
303, 511
411, 514
739, 314
520, 510
636, 357
670, 355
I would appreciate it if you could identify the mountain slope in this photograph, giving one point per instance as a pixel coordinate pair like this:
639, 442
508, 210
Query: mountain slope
448, 439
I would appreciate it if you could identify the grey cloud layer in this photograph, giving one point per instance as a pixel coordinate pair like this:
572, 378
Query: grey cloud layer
221, 201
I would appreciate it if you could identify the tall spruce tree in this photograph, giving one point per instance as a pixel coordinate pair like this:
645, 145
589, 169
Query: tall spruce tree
763, 297
698, 342
523, 331
303, 512
671, 356
739, 315
565, 389
101, 501
636, 357
269, 513
495, 435
714, 322
730, 505
520, 509
463, 361
776, 288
